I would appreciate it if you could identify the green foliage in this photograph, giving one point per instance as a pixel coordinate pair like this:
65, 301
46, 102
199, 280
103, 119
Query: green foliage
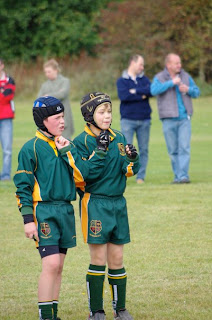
48, 28
155, 28
32, 29
110, 31
205, 88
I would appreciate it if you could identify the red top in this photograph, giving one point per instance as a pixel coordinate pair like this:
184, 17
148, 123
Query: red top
7, 92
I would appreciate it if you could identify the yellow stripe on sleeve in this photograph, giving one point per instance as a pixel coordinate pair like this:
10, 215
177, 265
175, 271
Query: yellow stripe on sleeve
78, 177
23, 171
129, 172
92, 154
18, 201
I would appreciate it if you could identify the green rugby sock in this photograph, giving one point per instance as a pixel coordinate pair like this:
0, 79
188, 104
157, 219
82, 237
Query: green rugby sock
118, 281
55, 308
45, 310
95, 283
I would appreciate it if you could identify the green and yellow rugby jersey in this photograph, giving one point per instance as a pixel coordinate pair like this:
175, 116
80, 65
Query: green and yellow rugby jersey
117, 167
43, 175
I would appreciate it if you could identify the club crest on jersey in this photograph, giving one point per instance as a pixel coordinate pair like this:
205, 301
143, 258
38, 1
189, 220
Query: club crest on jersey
121, 149
95, 227
45, 228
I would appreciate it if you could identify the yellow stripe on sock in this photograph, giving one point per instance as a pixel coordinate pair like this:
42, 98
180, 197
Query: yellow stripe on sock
95, 274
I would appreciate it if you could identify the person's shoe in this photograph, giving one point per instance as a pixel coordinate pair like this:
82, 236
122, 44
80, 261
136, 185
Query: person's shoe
140, 181
122, 315
58, 318
99, 315
5, 179
185, 181
175, 182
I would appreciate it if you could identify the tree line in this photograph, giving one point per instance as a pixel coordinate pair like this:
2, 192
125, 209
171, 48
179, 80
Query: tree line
31, 29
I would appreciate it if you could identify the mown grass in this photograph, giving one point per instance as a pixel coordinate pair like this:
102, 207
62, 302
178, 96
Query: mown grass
169, 258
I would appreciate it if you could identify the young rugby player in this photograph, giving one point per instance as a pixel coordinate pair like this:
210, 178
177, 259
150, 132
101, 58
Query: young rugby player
45, 188
103, 208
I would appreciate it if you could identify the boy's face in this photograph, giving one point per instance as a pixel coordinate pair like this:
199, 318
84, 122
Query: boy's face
103, 116
55, 124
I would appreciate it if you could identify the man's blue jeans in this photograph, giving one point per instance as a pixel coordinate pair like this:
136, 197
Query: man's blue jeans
6, 137
142, 130
177, 134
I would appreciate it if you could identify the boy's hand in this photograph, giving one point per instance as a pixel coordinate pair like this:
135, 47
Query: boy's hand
31, 231
131, 151
61, 142
103, 140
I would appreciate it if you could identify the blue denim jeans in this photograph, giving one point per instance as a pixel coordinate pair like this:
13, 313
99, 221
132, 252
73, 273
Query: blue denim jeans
6, 138
142, 130
177, 134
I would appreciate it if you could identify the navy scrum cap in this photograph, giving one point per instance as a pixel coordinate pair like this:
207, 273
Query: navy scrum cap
89, 104
45, 107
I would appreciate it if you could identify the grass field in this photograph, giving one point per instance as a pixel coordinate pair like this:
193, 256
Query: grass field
169, 258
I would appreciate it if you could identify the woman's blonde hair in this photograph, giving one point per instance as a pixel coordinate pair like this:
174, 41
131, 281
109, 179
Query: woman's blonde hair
53, 64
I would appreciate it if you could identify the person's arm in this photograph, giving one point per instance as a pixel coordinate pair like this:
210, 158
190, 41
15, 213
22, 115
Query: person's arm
24, 181
7, 92
193, 90
124, 92
82, 168
158, 87
144, 89
63, 89
131, 163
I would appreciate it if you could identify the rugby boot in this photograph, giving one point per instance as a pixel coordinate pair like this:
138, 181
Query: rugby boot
98, 316
122, 315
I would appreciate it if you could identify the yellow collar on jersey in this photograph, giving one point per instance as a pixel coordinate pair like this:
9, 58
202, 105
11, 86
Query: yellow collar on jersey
50, 140
90, 132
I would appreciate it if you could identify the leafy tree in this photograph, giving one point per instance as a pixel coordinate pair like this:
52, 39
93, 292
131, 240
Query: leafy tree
31, 28
191, 28
155, 28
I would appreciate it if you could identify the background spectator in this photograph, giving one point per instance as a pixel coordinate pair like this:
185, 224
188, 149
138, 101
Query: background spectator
174, 89
58, 87
7, 112
134, 92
